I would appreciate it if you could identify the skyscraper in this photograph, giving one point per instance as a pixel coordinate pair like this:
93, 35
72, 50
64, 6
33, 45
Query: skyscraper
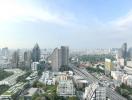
5, 51
25, 56
59, 58
55, 59
27, 59
124, 50
15, 59
64, 55
129, 54
36, 53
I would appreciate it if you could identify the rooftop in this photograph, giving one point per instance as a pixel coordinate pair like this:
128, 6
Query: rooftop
32, 91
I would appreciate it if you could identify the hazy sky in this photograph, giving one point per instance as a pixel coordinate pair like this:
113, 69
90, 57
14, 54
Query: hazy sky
76, 23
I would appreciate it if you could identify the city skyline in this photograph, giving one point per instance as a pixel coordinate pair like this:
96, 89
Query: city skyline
78, 24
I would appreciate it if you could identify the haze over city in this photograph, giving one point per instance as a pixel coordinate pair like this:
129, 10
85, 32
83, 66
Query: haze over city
65, 50
76, 23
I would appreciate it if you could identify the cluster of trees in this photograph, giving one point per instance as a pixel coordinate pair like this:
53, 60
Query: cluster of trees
4, 74
125, 91
97, 69
96, 58
3, 88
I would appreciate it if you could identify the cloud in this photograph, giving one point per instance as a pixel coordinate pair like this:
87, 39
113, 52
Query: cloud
12, 10
123, 22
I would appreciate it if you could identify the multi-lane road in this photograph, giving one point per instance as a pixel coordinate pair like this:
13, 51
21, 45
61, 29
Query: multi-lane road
111, 94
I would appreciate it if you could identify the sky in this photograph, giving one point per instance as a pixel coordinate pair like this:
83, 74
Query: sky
74, 23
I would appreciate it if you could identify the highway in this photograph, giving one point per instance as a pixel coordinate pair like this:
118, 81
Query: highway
112, 95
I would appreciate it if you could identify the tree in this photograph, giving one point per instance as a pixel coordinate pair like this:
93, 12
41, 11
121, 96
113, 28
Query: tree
4, 74
124, 92
36, 53
72, 98
3, 88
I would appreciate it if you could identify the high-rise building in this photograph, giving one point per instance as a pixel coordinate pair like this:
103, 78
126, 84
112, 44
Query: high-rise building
36, 53
25, 56
108, 66
27, 59
130, 53
59, 58
124, 50
55, 59
120, 54
15, 59
5, 51
64, 55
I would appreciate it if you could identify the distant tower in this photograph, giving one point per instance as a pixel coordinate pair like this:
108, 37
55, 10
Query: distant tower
124, 50
130, 53
59, 58
55, 59
25, 56
64, 55
27, 59
36, 53
5, 51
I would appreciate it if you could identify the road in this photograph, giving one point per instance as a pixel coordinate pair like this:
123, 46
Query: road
112, 95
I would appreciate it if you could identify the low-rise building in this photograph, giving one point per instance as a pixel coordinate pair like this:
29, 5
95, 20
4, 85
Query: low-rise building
34, 66
128, 70
64, 76
30, 93
48, 78
108, 66
89, 93
100, 93
127, 79
94, 92
80, 81
117, 75
129, 63
66, 88
121, 61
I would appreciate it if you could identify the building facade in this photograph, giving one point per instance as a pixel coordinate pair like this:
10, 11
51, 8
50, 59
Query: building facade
66, 88
55, 59
108, 66
59, 58
64, 55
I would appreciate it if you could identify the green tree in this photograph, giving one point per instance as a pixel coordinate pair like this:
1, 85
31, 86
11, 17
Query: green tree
4, 74
3, 88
